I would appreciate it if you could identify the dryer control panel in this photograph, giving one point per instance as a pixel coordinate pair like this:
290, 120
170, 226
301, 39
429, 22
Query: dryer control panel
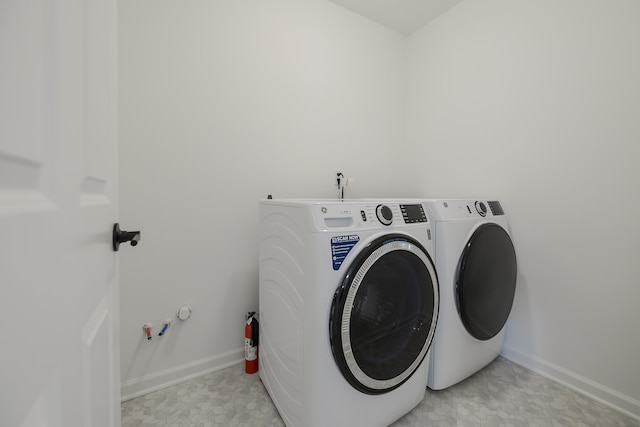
481, 208
450, 209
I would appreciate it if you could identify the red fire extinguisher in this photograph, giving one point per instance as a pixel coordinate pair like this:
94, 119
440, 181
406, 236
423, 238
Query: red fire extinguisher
251, 344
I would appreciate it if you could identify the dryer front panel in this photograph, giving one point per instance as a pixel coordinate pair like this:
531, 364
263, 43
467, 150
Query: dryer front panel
486, 281
384, 313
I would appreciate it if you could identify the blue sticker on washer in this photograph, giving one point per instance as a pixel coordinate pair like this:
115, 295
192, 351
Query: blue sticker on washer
340, 248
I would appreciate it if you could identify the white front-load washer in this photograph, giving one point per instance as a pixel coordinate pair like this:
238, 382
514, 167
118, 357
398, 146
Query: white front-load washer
348, 304
476, 263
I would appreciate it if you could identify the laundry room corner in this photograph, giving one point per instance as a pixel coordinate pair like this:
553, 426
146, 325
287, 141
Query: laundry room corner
536, 104
221, 104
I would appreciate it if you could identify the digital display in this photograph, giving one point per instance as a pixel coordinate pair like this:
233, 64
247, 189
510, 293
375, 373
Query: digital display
413, 213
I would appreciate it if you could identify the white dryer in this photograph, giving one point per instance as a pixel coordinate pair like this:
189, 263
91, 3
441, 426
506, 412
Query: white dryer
476, 263
348, 306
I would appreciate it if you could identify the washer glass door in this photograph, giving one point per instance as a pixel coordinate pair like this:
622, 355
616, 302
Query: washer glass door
383, 315
486, 281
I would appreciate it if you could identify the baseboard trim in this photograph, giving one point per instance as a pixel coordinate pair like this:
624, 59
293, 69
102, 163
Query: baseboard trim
149, 383
576, 382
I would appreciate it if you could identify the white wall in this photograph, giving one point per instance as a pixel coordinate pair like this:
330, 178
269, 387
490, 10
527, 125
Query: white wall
221, 103
532, 103
537, 104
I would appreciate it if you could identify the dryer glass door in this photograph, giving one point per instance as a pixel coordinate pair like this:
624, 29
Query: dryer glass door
384, 314
486, 281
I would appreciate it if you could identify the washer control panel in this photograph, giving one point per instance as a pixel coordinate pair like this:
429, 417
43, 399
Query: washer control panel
413, 213
331, 215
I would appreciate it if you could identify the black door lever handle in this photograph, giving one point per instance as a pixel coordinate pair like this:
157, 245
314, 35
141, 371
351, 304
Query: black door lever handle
120, 236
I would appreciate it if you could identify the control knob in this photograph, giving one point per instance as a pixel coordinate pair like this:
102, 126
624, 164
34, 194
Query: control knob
384, 214
481, 208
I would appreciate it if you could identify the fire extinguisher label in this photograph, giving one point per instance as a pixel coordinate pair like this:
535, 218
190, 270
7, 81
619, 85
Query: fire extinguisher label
250, 352
340, 248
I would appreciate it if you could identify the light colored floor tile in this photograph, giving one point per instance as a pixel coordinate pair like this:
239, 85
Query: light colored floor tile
502, 394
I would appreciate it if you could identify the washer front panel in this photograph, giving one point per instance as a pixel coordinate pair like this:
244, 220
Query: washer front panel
486, 281
384, 314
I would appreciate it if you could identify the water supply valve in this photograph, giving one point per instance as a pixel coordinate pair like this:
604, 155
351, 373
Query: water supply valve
166, 325
343, 183
146, 328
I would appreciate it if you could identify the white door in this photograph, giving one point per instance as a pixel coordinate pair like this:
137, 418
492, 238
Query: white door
59, 363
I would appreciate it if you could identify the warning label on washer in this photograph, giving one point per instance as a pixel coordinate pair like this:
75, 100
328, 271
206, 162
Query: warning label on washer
340, 248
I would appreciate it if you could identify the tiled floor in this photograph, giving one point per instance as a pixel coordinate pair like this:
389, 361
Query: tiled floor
502, 394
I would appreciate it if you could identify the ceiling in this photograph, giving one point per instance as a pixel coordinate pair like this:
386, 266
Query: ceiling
404, 16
